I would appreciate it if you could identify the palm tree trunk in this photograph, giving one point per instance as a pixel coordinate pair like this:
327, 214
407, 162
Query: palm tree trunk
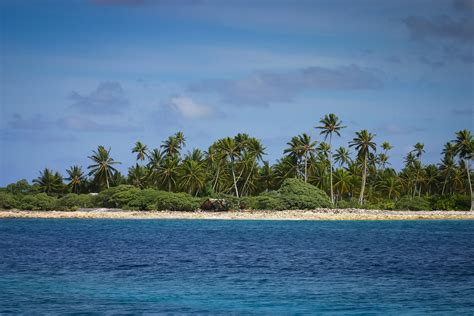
468, 169
248, 178
107, 181
364, 177
233, 176
305, 167
217, 178
330, 169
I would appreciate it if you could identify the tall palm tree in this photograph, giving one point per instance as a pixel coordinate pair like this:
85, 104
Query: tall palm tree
49, 182
141, 151
103, 165
330, 124
363, 143
173, 145
76, 178
464, 148
230, 150
307, 147
256, 151
418, 149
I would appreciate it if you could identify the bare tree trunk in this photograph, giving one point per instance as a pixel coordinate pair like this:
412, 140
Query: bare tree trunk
217, 178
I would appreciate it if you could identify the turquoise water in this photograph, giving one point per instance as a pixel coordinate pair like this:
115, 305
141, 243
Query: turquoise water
222, 267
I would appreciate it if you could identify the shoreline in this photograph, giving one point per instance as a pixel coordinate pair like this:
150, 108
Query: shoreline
321, 214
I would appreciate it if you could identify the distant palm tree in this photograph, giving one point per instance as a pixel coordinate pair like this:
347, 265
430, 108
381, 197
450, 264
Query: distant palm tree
342, 156
76, 178
137, 175
464, 148
230, 150
169, 172
419, 149
330, 124
343, 182
173, 145
363, 143
49, 182
256, 151
192, 176
141, 151
103, 165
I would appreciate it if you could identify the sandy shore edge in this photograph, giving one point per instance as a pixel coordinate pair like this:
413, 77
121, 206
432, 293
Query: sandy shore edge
323, 214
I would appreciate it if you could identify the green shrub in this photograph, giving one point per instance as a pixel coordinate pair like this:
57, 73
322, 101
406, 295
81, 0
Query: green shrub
413, 204
38, 202
380, 205
8, 201
72, 202
19, 187
267, 201
296, 194
177, 202
117, 197
144, 200
451, 202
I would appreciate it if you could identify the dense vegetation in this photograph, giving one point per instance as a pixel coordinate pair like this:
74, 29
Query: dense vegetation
309, 175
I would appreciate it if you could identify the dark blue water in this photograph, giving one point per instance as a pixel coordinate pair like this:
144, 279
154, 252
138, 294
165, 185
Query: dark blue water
178, 266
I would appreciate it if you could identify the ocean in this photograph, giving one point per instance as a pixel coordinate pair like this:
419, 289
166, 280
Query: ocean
56, 266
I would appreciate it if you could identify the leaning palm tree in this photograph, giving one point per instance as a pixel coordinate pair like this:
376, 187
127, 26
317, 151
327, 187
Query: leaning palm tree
76, 178
363, 143
330, 124
103, 166
141, 151
49, 182
464, 148
418, 149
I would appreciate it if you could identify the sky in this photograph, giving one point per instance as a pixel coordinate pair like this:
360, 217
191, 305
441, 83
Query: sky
78, 74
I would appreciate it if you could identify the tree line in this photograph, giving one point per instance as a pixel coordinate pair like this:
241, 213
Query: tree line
360, 172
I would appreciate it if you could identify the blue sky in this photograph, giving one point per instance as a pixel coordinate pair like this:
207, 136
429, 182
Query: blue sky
77, 74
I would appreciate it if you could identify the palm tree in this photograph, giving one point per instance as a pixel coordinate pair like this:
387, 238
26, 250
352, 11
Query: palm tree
76, 178
389, 185
230, 150
307, 147
342, 156
330, 124
169, 172
464, 148
173, 145
141, 151
154, 165
418, 150
49, 182
102, 167
192, 176
136, 176
343, 182
363, 143
256, 151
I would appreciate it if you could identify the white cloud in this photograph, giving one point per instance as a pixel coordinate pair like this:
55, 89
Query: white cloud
190, 109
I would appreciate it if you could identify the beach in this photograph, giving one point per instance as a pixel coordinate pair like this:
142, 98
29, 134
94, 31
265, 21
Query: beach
320, 214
